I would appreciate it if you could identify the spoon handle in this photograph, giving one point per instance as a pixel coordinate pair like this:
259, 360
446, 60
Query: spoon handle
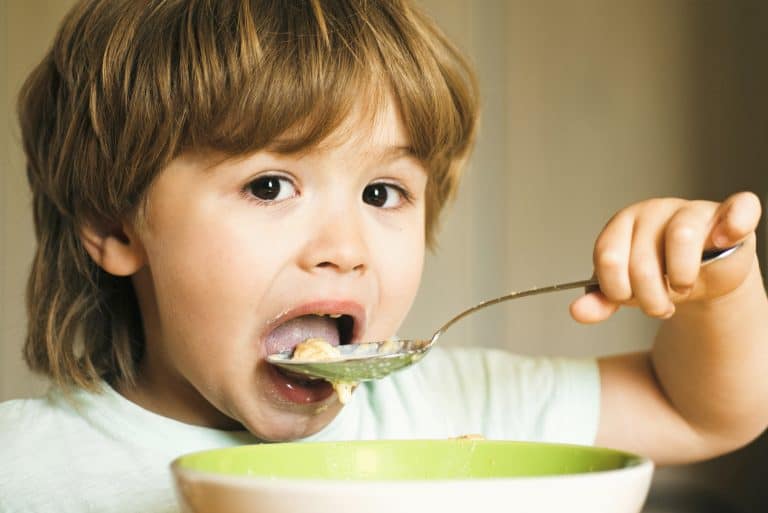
590, 285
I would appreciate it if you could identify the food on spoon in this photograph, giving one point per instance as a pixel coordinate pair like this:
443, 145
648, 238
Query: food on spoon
390, 346
315, 350
318, 350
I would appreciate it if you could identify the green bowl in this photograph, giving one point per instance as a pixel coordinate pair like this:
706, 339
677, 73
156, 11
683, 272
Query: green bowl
410, 475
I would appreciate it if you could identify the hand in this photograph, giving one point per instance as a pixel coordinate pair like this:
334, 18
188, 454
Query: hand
649, 255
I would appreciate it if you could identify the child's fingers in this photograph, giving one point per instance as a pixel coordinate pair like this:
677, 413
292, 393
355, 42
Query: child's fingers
611, 258
684, 240
736, 218
592, 308
649, 254
646, 271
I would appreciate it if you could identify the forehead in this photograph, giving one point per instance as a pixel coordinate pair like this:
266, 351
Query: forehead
365, 133
368, 127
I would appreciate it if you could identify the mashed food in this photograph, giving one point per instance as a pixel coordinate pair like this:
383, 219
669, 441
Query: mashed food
315, 350
318, 350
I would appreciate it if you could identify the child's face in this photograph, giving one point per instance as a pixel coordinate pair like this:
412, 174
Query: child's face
236, 249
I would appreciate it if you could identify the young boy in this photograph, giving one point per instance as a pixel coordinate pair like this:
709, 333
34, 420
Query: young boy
218, 180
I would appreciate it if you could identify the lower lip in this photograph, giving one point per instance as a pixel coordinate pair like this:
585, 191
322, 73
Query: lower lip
298, 392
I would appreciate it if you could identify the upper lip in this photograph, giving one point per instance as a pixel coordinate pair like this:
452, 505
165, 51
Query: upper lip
350, 308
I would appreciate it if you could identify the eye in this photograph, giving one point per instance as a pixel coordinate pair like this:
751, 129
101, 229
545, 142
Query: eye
271, 188
385, 195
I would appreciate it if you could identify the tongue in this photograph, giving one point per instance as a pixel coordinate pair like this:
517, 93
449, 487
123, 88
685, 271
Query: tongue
286, 336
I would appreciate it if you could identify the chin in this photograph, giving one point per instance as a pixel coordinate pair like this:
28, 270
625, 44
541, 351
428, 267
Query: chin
286, 426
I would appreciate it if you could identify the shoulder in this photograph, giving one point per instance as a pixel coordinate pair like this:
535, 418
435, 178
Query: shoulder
25, 419
483, 368
27, 428
476, 370
498, 394
445, 394
56, 456
27, 422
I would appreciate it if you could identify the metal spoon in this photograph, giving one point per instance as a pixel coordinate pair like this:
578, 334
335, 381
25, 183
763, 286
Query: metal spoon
374, 360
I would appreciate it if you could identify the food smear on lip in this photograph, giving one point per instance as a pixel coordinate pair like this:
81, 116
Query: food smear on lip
318, 350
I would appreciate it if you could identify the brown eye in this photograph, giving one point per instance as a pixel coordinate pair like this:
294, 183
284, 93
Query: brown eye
271, 188
375, 195
384, 195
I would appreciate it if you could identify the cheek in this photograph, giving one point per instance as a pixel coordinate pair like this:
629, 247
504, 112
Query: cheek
400, 266
409, 267
206, 287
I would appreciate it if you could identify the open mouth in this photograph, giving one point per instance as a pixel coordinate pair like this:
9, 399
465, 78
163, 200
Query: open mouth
345, 325
299, 389
334, 327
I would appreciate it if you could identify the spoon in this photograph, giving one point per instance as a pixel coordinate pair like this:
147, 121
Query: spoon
373, 360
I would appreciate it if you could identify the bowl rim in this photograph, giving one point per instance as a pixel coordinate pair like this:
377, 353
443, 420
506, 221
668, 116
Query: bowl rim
636, 464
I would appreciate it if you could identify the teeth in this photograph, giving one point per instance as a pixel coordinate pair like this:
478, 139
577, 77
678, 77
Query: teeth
332, 316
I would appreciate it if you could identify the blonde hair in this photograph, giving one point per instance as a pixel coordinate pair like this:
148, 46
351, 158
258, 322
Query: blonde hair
129, 85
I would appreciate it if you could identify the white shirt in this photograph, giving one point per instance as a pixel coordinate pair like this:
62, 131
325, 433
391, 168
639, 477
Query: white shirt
100, 452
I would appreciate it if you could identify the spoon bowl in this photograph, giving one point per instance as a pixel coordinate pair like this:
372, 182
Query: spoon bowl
358, 362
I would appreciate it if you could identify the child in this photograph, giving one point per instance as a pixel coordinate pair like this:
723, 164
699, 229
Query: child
218, 180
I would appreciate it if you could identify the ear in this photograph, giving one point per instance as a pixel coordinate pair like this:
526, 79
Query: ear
115, 248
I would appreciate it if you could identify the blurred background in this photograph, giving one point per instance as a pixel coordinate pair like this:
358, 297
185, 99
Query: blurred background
588, 106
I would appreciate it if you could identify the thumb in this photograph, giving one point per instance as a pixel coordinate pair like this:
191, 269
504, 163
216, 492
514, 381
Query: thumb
592, 308
735, 219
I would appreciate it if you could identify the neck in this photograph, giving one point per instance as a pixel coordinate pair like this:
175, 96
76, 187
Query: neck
173, 397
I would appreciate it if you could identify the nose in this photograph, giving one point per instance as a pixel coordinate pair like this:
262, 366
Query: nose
337, 243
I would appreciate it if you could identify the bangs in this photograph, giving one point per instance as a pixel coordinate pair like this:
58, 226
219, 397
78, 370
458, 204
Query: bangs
287, 74
143, 82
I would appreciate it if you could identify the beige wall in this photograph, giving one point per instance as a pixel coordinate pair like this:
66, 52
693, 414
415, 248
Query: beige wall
589, 105
26, 29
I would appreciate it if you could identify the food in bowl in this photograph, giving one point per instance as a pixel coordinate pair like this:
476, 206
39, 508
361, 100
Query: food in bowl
410, 476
